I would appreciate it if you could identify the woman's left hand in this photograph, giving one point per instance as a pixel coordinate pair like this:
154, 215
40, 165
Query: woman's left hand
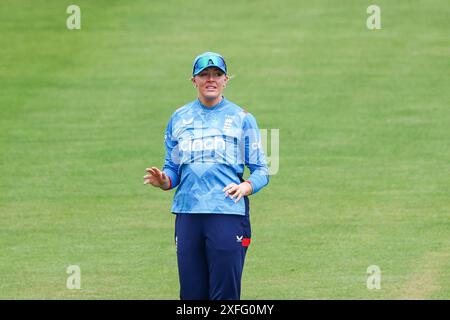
238, 190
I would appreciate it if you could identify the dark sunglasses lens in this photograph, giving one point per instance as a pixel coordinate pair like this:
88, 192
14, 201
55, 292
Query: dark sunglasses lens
203, 62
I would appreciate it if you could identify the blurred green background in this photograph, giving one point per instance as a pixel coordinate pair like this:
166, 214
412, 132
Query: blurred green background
364, 124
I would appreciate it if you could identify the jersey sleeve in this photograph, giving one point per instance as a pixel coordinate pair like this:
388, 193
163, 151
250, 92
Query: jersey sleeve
255, 159
171, 163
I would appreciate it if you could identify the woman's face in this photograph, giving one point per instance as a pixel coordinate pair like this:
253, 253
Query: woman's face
210, 83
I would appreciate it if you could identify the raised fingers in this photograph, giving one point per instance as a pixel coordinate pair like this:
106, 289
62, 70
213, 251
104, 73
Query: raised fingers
154, 176
158, 173
235, 193
156, 170
232, 191
239, 197
148, 179
229, 186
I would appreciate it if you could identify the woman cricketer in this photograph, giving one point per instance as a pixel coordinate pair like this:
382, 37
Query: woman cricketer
208, 142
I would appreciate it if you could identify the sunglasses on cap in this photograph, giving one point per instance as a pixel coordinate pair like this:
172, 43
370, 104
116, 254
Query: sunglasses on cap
207, 61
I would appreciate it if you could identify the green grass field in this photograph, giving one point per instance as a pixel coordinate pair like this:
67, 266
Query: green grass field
364, 124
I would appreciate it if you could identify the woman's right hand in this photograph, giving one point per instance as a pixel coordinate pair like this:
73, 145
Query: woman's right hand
157, 178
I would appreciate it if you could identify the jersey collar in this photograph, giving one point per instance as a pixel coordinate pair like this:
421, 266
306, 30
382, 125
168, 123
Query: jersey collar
214, 107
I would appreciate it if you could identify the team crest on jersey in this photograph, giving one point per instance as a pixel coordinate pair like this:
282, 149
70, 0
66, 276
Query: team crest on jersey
188, 121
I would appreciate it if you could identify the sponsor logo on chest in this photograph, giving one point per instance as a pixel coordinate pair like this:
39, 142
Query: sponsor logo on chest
228, 122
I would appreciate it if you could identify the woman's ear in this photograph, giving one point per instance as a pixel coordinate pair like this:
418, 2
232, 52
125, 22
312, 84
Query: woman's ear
225, 81
193, 81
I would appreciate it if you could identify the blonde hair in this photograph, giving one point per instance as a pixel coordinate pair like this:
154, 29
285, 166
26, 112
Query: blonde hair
231, 76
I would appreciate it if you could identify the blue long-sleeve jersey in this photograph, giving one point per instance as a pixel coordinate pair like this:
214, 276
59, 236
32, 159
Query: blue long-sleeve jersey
206, 149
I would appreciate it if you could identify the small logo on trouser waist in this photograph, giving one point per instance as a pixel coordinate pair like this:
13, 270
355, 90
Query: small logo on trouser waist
245, 241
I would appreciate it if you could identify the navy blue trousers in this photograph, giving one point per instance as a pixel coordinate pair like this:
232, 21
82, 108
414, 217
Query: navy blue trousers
211, 251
